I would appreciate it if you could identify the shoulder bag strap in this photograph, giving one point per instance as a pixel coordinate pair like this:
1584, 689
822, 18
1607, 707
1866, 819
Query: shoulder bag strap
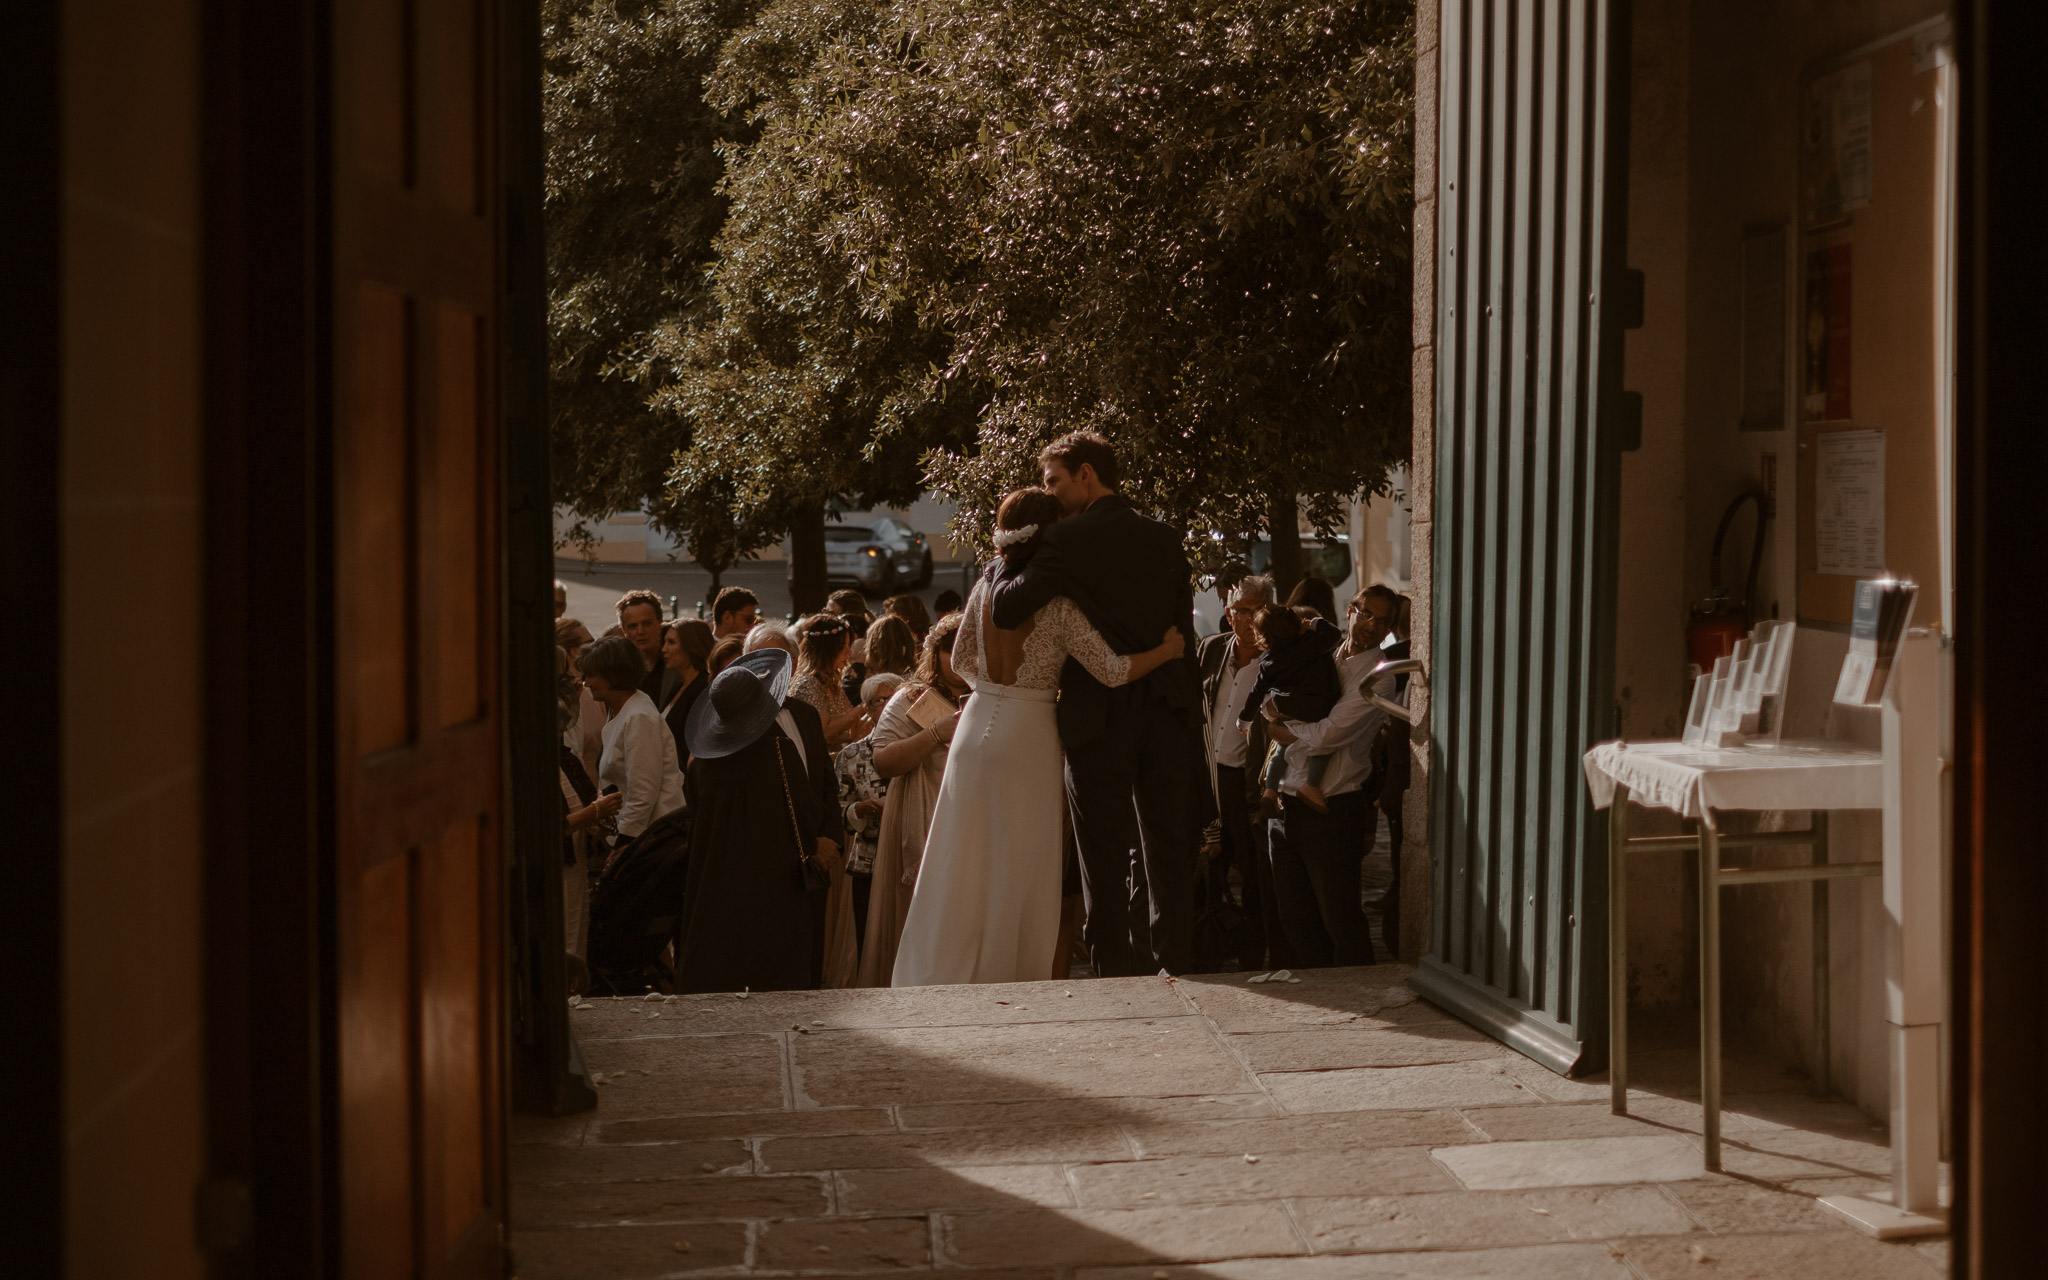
804, 856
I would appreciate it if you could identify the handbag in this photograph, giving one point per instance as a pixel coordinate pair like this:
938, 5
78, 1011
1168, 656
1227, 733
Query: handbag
808, 871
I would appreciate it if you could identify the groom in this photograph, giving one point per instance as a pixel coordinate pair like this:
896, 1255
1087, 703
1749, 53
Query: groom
1131, 752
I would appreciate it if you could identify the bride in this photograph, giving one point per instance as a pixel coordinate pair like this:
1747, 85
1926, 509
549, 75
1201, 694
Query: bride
987, 903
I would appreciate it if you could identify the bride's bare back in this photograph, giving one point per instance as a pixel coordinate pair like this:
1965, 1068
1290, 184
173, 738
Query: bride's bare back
1031, 656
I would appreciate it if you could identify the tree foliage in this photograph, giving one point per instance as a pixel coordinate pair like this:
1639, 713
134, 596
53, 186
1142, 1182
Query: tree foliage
952, 229
633, 210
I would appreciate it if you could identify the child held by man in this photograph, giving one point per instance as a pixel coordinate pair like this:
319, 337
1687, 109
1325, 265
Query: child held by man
1299, 676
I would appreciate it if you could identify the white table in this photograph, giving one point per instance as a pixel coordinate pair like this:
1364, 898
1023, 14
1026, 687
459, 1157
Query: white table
1702, 783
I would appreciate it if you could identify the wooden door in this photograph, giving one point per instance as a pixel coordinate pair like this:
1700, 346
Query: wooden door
1531, 186
418, 726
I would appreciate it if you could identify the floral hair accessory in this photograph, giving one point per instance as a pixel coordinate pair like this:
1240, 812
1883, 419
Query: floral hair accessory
1011, 537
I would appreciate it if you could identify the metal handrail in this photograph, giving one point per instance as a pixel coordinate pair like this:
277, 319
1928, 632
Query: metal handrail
1410, 667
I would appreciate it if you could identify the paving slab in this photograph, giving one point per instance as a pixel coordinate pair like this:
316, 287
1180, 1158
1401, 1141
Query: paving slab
1814, 1255
1571, 1162
726, 1073
1023, 1133
1731, 1205
1364, 1045
1550, 1262
1786, 1154
745, 1124
1487, 1220
1764, 1112
1135, 1112
1322, 997
1083, 1236
629, 1253
667, 1200
624, 1164
1317, 1132
1451, 1084
850, 1244
1162, 1056
1236, 1178
872, 1007
997, 1186
1036, 1144
1581, 1120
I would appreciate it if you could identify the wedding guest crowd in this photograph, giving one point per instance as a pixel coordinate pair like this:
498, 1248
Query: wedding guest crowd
800, 765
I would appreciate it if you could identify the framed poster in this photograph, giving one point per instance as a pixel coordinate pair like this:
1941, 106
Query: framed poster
1824, 329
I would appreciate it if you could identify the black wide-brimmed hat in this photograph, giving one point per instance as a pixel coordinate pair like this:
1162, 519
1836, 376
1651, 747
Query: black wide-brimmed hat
740, 705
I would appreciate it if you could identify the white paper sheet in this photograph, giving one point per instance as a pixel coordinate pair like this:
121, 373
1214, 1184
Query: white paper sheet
1848, 503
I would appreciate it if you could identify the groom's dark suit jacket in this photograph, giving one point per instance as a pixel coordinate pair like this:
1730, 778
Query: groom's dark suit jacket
1129, 576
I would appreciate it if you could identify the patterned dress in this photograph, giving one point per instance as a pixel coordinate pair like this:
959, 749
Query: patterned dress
828, 699
858, 781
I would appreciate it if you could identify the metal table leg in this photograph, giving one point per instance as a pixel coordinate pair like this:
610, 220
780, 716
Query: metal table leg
1617, 950
1819, 827
1710, 986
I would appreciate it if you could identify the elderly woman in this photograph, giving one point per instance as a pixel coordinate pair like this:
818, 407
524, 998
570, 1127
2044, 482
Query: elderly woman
749, 917
771, 635
910, 751
822, 655
639, 755
685, 649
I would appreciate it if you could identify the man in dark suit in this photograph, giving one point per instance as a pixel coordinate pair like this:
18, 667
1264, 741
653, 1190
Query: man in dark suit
1133, 753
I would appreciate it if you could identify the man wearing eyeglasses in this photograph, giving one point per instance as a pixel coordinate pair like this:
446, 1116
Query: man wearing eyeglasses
1229, 663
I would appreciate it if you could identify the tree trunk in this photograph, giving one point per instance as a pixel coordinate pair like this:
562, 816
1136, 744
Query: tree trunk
807, 559
1283, 526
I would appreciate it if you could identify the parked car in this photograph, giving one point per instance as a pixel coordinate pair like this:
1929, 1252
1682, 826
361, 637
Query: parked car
877, 554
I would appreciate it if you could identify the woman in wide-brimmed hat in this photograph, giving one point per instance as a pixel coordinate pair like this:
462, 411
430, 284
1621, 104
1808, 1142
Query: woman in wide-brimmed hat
747, 919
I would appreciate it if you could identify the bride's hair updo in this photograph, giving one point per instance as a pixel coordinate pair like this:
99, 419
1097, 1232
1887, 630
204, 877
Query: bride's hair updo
1033, 509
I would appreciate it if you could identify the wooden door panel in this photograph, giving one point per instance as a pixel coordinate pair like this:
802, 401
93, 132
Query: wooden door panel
452, 1023
420, 735
458, 587
454, 136
377, 495
376, 1069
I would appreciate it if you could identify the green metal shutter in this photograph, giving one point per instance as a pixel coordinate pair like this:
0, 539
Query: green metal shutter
1529, 418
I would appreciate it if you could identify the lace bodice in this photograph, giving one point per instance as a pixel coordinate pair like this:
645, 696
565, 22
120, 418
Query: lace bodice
1055, 633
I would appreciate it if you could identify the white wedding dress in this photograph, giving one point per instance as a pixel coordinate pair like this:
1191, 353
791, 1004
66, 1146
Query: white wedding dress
987, 903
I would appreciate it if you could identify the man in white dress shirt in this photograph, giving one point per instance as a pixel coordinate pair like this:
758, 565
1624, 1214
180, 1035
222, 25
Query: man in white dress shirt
1316, 856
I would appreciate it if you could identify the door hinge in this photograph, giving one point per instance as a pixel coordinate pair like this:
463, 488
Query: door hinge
223, 1214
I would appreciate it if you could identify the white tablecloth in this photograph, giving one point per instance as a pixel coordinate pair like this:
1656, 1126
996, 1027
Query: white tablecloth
1691, 780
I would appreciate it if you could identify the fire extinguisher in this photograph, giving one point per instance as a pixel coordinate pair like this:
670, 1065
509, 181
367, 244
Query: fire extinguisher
1718, 621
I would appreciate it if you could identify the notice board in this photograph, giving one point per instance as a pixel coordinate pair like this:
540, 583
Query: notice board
1870, 309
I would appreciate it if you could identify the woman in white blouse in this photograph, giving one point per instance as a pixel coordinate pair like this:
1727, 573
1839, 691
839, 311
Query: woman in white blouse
639, 752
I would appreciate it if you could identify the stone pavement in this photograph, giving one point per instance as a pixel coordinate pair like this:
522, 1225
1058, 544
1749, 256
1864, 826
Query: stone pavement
1139, 1128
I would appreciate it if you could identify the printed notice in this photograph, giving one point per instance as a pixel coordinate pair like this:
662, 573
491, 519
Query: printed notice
1848, 503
